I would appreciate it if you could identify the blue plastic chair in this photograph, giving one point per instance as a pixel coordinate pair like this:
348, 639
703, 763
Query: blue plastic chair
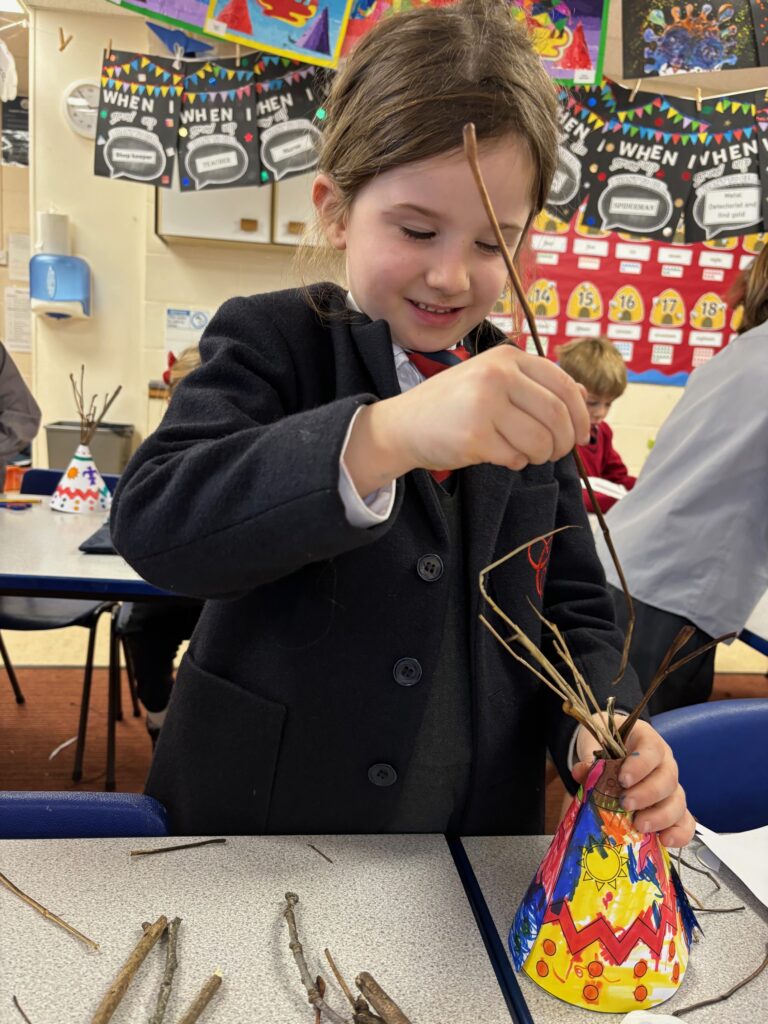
41, 613
80, 816
722, 751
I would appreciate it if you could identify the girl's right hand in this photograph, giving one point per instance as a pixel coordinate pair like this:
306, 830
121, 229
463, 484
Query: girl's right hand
504, 407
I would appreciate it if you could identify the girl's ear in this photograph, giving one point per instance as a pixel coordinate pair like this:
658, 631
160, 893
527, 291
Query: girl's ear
325, 197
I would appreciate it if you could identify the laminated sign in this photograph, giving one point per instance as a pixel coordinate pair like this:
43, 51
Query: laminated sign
139, 106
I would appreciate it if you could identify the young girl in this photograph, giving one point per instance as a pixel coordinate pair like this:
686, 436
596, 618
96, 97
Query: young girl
339, 679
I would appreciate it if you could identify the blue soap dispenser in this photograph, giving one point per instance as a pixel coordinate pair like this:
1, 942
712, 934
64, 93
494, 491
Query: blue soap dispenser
59, 284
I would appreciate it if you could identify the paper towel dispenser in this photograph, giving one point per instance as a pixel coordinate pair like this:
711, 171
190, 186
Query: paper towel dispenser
59, 286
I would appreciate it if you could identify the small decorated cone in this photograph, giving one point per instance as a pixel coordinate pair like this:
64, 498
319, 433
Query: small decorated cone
81, 488
605, 923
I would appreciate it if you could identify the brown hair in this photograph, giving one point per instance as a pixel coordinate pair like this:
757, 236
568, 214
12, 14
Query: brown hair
596, 363
412, 83
755, 294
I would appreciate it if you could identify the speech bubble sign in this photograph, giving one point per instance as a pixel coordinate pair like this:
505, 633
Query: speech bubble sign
728, 204
290, 147
567, 178
134, 153
635, 203
215, 160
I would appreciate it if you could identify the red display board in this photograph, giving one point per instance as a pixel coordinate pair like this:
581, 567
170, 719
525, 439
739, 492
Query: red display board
662, 304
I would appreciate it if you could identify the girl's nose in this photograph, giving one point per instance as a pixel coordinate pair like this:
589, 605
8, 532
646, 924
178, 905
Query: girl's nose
449, 275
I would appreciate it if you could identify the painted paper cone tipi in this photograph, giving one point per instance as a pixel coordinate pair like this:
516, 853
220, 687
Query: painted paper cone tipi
605, 923
81, 487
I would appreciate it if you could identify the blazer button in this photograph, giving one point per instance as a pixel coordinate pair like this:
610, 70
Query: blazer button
430, 568
382, 775
407, 671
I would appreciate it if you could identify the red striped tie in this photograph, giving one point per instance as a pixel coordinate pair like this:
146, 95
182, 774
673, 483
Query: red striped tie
430, 363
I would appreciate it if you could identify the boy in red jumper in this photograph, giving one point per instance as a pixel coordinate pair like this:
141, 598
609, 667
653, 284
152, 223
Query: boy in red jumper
596, 364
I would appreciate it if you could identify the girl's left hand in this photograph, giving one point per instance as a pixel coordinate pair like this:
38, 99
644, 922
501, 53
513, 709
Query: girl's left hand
650, 779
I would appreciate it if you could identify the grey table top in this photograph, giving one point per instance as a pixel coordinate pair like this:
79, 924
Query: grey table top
731, 948
392, 905
39, 555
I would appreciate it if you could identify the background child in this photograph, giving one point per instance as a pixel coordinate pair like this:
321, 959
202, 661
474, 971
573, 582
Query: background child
596, 364
693, 534
339, 679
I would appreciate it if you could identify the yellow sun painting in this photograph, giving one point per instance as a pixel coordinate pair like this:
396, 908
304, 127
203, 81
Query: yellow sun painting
603, 864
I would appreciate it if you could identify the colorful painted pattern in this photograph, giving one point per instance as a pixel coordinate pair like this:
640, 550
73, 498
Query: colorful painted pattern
81, 488
605, 923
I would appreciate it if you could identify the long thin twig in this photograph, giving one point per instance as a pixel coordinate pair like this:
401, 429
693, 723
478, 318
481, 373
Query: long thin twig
700, 871
470, 151
201, 1000
667, 667
47, 913
127, 972
169, 849
89, 420
17, 1004
171, 963
725, 995
576, 699
313, 995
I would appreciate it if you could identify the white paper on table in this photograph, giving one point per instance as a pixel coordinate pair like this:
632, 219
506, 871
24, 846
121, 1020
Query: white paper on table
608, 487
745, 853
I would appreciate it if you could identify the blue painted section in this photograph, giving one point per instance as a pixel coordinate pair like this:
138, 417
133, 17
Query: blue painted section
758, 642
648, 874
676, 380
687, 915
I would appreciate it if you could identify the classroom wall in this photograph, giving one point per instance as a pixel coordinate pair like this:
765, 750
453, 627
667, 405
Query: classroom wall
136, 275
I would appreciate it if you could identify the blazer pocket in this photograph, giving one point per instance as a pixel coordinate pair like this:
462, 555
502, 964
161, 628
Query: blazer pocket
216, 758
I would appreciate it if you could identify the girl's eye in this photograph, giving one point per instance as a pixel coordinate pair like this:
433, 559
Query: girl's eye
418, 235
493, 250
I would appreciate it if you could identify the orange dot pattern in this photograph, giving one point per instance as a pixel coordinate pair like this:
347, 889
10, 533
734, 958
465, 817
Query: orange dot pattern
641, 993
590, 993
542, 969
595, 968
640, 968
549, 947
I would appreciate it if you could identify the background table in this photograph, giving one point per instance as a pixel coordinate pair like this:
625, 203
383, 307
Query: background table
392, 905
731, 948
39, 557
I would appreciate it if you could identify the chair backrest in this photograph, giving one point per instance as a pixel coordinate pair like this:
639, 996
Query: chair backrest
80, 815
43, 481
722, 751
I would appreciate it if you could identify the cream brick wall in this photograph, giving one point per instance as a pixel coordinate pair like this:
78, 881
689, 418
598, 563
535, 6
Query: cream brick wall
136, 275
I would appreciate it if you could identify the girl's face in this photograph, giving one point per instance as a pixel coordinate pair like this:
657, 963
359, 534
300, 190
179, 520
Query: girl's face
420, 251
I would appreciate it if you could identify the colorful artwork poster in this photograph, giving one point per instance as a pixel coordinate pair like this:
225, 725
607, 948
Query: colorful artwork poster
760, 22
288, 112
661, 303
640, 178
307, 30
217, 137
185, 14
569, 36
667, 37
726, 195
139, 107
579, 125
